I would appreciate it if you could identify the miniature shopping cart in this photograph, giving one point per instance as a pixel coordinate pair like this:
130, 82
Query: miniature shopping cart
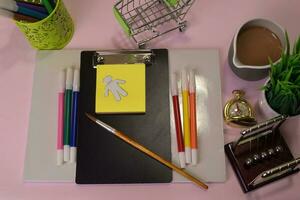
144, 20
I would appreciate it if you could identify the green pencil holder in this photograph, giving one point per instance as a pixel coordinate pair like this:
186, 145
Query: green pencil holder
53, 32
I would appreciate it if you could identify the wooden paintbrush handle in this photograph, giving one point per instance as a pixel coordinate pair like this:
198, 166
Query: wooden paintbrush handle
160, 159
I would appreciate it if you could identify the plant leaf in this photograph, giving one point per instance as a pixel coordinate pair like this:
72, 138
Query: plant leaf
284, 107
287, 44
288, 76
283, 89
296, 49
277, 88
297, 81
284, 62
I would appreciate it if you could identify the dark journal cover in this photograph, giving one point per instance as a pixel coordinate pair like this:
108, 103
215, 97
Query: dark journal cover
102, 157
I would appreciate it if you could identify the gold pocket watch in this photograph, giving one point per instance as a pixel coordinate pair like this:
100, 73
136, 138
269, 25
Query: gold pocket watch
238, 112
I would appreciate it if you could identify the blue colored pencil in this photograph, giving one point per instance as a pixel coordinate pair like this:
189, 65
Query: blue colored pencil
74, 118
32, 13
32, 6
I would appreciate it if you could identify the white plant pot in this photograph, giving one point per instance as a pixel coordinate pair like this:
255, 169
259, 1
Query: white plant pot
265, 108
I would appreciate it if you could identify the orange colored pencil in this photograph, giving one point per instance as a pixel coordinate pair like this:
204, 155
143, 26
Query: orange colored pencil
193, 117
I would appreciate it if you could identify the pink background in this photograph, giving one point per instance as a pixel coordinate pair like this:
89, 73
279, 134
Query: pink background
212, 25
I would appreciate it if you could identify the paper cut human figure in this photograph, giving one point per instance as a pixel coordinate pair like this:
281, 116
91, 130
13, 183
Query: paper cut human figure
113, 86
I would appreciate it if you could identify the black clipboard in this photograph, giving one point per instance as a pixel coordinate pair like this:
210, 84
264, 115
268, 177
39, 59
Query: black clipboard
102, 158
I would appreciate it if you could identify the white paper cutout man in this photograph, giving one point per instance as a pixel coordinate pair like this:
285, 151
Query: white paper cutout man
113, 86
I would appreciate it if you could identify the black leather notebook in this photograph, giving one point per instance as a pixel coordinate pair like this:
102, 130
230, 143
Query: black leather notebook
103, 158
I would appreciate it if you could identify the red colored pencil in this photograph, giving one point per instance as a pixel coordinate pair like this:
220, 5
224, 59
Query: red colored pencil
179, 137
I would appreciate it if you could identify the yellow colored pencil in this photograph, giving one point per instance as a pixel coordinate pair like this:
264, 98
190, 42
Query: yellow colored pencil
186, 119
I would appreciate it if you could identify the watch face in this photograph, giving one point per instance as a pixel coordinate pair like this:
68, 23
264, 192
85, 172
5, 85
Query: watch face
239, 109
238, 112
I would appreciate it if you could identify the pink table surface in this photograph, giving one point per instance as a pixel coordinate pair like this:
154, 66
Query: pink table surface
212, 25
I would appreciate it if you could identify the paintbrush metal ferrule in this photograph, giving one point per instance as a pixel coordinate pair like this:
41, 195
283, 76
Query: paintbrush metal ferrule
104, 125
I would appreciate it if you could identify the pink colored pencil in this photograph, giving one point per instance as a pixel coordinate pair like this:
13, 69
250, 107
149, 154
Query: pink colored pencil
60, 117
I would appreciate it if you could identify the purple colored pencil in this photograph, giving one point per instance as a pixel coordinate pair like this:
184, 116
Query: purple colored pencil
32, 6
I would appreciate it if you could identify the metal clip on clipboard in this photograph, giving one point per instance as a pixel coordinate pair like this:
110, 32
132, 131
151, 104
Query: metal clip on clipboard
261, 155
123, 57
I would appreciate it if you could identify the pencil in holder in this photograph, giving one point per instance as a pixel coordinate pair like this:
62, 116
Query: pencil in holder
53, 32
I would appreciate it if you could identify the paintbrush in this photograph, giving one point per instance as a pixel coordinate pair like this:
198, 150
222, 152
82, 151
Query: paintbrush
143, 149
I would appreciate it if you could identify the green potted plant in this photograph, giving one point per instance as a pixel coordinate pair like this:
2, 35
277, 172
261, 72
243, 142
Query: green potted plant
281, 93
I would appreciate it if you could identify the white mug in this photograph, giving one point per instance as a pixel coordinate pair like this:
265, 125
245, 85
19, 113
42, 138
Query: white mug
251, 72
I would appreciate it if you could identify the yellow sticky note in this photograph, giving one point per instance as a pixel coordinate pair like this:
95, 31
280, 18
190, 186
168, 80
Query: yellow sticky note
121, 88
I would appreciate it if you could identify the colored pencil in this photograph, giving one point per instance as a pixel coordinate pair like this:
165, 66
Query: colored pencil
193, 116
12, 6
47, 5
148, 152
186, 120
75, 95
176, 110
60, 124
16, 16
24, 18
32, 6
67, 113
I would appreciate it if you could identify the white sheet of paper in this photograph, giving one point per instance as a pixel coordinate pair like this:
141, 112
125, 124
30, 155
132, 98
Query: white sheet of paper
211, 156
40, 161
